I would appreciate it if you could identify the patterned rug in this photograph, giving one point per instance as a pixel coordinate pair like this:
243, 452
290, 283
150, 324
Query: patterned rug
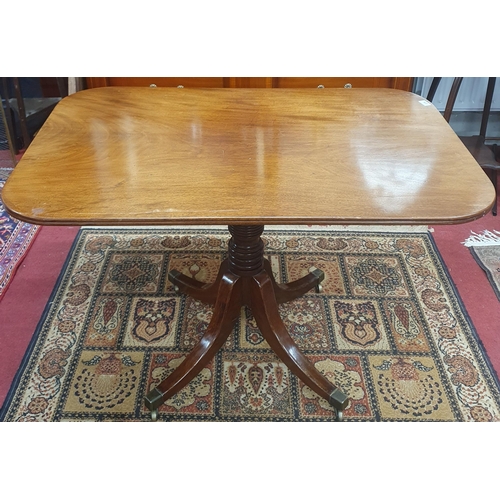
388, 329
15, 239
488, 257
485, 248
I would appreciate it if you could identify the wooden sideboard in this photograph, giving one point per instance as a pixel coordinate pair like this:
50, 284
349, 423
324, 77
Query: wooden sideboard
401, 83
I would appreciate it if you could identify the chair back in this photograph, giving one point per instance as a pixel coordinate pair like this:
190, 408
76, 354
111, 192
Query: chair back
452, 97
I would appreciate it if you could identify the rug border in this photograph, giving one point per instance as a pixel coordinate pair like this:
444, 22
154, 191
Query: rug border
34, 339
485, 269
474, 333
20, 371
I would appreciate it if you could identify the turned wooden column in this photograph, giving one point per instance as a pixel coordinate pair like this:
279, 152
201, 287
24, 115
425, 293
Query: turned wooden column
246, 250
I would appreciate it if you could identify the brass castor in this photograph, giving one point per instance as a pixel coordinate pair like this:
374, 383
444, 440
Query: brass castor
176, 290
340, 416
154, 415
321, 275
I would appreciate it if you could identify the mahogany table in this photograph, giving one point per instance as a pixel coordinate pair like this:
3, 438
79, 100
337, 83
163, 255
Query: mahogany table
246, 158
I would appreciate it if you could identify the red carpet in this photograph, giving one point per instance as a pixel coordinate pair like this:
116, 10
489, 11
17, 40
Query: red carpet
24, 301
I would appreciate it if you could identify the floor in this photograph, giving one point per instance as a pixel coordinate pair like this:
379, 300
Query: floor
467, 123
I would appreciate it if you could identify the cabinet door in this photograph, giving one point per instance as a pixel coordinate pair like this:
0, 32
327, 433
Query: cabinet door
354, 82
250, 82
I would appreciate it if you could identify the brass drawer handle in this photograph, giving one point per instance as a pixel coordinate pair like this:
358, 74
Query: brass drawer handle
180, 86
321, 86
153, 86
348, 86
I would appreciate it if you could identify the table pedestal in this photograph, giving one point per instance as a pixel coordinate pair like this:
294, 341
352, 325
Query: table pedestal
245, 278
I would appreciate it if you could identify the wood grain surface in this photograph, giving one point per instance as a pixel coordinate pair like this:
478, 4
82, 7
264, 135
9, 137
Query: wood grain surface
155, 156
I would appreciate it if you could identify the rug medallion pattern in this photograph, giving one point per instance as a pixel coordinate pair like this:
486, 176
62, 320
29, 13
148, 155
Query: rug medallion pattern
388, 329
15, 239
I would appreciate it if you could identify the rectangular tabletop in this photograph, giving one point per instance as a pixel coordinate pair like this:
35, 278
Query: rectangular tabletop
154, 156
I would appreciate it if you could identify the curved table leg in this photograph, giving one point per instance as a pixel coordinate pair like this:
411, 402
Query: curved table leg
265, 310
226, 311
285, 292
205, 292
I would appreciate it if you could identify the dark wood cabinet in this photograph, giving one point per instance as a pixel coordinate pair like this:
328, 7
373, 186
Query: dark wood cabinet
335, 82
401, 83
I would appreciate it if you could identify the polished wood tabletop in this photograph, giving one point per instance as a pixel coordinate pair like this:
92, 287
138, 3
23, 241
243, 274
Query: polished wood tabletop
154, 156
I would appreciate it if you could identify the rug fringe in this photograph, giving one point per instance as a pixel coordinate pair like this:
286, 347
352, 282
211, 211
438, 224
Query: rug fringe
485, 238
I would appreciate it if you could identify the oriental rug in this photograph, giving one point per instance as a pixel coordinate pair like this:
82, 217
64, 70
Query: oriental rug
485, 248
15, 240
388, 328
488, 257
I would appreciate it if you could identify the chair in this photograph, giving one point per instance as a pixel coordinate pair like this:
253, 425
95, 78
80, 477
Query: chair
488, 158
6, 139
24, 115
